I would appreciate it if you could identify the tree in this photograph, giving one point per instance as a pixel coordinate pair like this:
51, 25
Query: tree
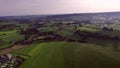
107, 29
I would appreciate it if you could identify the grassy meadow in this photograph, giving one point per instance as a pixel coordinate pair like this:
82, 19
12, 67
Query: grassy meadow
9, 37
69, 55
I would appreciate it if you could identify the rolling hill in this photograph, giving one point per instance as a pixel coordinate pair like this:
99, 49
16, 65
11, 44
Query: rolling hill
106, 17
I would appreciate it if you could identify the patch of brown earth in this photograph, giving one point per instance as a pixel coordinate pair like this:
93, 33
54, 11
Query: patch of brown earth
13, 48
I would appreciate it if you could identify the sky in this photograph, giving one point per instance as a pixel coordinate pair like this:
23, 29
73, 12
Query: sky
35, 7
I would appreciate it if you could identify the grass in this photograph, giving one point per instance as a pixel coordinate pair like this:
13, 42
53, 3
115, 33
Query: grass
7, 32
69, 55
88, 29
47, 29
25, 51
45, 53
9, 37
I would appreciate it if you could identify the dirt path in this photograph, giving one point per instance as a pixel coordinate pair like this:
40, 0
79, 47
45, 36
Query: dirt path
13, 48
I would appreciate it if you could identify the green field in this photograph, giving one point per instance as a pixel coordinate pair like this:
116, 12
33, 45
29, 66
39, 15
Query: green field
9, 37
69, 55
88, 29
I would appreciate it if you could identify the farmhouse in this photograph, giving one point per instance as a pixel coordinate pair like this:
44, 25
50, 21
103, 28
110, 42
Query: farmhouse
10, 61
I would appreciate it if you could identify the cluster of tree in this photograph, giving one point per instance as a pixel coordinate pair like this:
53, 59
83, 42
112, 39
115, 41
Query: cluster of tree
7, 26
51, 36
29, 31
86, 34
107, 29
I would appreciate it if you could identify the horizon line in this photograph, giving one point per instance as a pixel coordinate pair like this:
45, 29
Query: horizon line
59, 13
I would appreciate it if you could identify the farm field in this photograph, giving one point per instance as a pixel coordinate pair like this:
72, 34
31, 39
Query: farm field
9, 37
69, 55
88, 29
